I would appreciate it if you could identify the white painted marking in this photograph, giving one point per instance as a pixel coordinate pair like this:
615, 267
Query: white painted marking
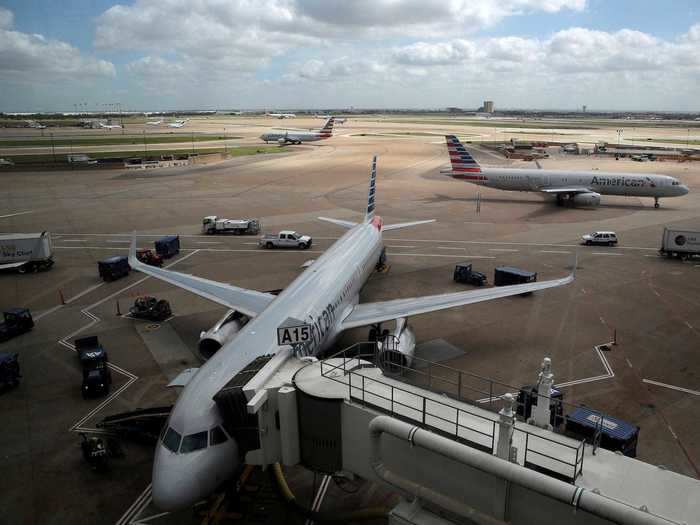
450, 248
554, 251
629, 363
689, 325
657, 293
607, 253
15, 214
399, 246
672, 432
672, 387
441, 255
207, 242
601, 319
503, 250
650, 255
74, 240
250, 243
108, 240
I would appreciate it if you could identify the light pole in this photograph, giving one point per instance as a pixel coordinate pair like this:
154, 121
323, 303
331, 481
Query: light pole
53, 149
145, 149
619, 133
225, 150
193, 143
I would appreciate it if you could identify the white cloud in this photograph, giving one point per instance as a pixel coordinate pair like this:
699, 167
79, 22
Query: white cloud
26, 56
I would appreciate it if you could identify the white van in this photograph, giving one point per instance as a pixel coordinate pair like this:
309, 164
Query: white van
604, 238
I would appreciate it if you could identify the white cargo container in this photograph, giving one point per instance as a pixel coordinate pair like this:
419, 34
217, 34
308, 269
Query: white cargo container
26, 251
213, 224
680, 243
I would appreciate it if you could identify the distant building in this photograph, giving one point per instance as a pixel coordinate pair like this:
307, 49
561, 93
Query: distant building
488, 106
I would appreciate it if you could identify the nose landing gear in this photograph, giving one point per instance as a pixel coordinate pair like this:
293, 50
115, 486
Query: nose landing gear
656, 202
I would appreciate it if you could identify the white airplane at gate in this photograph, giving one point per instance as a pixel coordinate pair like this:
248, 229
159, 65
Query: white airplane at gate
297, 137
582, 188
196, 451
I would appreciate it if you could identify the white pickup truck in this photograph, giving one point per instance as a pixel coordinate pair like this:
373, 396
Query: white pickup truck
285, 239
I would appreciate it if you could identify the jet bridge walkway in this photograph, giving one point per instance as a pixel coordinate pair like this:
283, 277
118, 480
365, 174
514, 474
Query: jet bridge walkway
440, 452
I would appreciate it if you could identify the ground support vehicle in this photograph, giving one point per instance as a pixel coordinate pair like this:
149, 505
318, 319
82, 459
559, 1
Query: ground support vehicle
600, 429
527, 399
464, 274
98, 450
285, 239
168, 246
212, 225
683, 244
600, 238
148, 256
15, 322
97, 376
507, 275
150, 308
114, 268
9, 370
26, 252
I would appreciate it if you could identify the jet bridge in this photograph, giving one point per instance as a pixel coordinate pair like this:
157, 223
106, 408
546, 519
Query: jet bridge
447, 456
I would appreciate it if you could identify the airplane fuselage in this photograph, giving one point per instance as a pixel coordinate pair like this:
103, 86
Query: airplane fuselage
294, 137
321, 296
605, 183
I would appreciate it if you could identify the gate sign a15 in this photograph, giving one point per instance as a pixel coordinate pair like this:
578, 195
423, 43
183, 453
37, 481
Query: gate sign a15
293, 332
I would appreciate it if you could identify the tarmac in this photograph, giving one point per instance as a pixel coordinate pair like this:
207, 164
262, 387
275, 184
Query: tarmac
649, 304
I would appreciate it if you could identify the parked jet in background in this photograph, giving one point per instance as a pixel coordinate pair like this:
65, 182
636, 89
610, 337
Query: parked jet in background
154, 123
34, 124
110, 126
281, 115
337, 120
177, 124
580, 188
196, 452
297, 137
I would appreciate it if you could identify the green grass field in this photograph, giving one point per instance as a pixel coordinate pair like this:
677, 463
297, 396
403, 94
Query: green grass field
111, 141
20, 160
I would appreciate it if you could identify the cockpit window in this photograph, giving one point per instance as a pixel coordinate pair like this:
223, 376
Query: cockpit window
172, 440
194, 442
675, 183
216, 436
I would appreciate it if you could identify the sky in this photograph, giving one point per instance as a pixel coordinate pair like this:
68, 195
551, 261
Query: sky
307, 54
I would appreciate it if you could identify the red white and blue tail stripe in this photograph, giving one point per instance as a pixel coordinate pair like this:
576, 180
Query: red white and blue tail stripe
327, 129
463, 164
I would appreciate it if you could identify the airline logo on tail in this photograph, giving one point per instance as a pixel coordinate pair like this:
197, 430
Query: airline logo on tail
372, 189
463, 164
327, 129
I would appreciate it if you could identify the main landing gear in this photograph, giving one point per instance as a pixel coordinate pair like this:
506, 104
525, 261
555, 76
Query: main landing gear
656, 202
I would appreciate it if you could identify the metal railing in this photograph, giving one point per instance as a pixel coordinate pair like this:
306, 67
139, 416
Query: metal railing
466, 426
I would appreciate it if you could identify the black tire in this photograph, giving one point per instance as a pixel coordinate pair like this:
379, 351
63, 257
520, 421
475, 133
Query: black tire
22, 269
269, 245
588, 243
306, 246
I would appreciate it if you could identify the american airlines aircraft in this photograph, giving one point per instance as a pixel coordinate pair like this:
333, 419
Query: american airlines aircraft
196, 453
281, 115
582, 188
297, 137
110, 126
177, 124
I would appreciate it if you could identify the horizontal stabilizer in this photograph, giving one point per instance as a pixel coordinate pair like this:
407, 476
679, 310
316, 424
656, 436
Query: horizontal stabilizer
398, 226
339, 222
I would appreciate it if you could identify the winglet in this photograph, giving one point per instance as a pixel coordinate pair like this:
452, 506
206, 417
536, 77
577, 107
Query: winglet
372, 189
133, 260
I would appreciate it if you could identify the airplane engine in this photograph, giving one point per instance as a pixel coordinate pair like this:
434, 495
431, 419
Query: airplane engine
396, 349
210, 341
590, 200
281, 142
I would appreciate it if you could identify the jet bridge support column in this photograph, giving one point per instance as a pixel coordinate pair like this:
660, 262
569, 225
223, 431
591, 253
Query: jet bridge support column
541, 412
506, 426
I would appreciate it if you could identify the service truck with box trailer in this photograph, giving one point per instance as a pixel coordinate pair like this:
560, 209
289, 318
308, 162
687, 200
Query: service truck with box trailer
213, 224
683, 244
26, 252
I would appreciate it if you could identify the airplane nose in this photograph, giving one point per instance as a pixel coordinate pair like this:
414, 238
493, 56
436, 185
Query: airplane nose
174, 486
684, 189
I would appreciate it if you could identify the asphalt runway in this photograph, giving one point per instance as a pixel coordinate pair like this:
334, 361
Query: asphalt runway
650, 378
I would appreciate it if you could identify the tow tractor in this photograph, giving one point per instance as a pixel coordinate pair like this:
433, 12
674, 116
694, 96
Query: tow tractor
16, 322
97, 377
150, 308
464, 274
147, 256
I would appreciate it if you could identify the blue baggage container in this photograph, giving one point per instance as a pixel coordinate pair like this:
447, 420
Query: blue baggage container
615, 434
168, 246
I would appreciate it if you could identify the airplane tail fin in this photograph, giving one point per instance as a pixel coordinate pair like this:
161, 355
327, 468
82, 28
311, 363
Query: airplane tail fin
462, 161
369, 215
327, 129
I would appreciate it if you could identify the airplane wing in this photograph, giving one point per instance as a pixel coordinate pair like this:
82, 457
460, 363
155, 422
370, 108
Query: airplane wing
370, 313
248, 302
570, 190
